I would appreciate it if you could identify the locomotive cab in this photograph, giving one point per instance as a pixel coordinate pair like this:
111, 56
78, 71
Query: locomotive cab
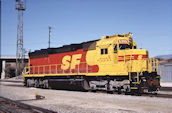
130, 61
143, 71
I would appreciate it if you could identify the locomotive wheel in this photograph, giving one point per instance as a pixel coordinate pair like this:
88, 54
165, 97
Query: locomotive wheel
27, 83
109, 92
46, 84
36, 83
136, 92
85, 85
119, 90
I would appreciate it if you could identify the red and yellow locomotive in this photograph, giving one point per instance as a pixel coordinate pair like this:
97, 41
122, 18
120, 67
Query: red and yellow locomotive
113, 63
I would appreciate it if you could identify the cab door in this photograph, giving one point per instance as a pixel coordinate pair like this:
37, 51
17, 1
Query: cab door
115, 51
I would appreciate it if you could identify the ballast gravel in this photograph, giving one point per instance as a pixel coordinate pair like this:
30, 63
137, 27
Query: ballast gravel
63, 101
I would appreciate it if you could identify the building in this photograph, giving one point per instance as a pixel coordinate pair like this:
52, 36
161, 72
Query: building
166, 71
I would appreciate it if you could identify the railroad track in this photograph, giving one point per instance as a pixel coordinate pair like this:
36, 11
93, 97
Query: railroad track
158, 95
11, 106
168, 89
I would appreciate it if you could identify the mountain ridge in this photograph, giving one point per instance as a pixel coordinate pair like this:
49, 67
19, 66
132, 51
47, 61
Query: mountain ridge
165, 57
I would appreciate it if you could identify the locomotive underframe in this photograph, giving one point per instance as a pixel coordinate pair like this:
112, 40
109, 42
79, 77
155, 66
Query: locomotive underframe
139, 83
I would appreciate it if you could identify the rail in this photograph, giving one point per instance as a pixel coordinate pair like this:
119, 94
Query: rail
12, 106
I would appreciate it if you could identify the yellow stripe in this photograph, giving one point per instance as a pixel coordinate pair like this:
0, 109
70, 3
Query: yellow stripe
133, 88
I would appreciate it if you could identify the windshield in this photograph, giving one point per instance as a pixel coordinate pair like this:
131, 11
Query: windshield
124, 46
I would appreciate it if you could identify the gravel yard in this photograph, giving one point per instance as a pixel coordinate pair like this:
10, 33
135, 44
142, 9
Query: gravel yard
85, 102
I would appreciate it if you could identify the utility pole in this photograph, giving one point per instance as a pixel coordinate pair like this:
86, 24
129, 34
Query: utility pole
20, 7
0, 29
49, 28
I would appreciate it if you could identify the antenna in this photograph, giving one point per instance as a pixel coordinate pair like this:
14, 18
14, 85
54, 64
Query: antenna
49, 28
20, 7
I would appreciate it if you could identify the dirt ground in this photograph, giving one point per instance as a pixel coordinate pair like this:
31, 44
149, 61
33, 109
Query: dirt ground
64, 101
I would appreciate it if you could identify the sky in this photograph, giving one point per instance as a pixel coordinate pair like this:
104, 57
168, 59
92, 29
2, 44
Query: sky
76, 21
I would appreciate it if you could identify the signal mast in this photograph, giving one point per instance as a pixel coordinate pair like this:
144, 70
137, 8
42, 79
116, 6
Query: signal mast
20, 7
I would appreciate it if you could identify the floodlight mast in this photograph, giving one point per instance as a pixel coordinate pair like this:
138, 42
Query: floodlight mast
20, 7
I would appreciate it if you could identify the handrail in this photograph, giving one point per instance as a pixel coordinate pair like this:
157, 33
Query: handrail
154, 65
83, 67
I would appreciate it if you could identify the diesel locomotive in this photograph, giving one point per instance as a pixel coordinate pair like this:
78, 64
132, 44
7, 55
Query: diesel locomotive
113, 63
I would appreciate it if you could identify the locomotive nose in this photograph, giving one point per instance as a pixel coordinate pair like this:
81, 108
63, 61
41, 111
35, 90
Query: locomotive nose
133, 54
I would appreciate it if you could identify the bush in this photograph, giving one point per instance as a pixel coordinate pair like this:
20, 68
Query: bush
9, 71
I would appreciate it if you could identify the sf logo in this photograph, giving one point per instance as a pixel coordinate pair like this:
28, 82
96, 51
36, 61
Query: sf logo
71, 61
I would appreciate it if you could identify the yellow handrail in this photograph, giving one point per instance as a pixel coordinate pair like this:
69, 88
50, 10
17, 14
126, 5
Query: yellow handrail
154, 64
83, 67
53, 68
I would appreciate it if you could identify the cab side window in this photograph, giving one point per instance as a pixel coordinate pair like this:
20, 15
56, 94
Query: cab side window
104, 51
115, 48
